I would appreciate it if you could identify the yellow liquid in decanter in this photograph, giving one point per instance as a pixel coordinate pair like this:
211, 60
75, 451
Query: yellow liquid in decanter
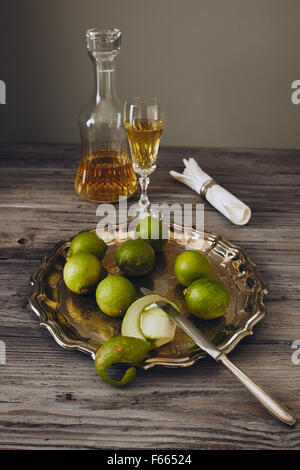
105, 175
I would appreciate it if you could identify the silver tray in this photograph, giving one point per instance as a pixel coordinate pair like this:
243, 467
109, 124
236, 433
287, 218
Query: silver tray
75, 321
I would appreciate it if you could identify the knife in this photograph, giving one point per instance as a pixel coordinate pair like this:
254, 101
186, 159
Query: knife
268, 401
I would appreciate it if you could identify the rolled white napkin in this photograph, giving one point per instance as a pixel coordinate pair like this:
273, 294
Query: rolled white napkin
225, 202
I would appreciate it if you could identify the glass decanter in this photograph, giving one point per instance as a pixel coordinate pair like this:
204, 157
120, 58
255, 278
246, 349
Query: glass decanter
105, 169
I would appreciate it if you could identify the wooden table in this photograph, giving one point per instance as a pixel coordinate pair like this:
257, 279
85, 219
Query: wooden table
51, 398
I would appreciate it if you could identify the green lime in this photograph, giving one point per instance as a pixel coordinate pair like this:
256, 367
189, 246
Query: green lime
191, 265
207, 298
157, 324
135, 257
154, 232
114, 295
82, 273
87, 242
120, 348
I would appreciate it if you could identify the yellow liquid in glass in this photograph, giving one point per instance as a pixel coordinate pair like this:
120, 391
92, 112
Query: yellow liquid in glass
144, 138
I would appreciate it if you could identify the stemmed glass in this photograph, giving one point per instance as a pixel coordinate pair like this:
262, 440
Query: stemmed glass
144, 121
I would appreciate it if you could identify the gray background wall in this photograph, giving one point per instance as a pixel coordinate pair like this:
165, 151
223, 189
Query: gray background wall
224, 67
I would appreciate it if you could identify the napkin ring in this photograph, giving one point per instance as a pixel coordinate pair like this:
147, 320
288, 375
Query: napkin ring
205, 187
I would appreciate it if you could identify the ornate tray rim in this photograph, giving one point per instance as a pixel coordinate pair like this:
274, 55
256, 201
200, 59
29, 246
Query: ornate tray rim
81, 345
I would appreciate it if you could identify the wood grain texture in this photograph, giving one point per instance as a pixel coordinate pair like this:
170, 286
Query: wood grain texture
52, 399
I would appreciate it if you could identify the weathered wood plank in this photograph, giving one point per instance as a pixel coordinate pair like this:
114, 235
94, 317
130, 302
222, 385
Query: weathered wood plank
196, 411
52, 398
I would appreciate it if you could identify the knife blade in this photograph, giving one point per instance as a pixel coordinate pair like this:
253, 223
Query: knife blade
268, 401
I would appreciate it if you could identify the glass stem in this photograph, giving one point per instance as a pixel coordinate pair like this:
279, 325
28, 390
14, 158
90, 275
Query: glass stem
144, 202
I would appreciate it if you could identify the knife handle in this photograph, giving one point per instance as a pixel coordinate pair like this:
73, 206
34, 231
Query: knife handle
270, 403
